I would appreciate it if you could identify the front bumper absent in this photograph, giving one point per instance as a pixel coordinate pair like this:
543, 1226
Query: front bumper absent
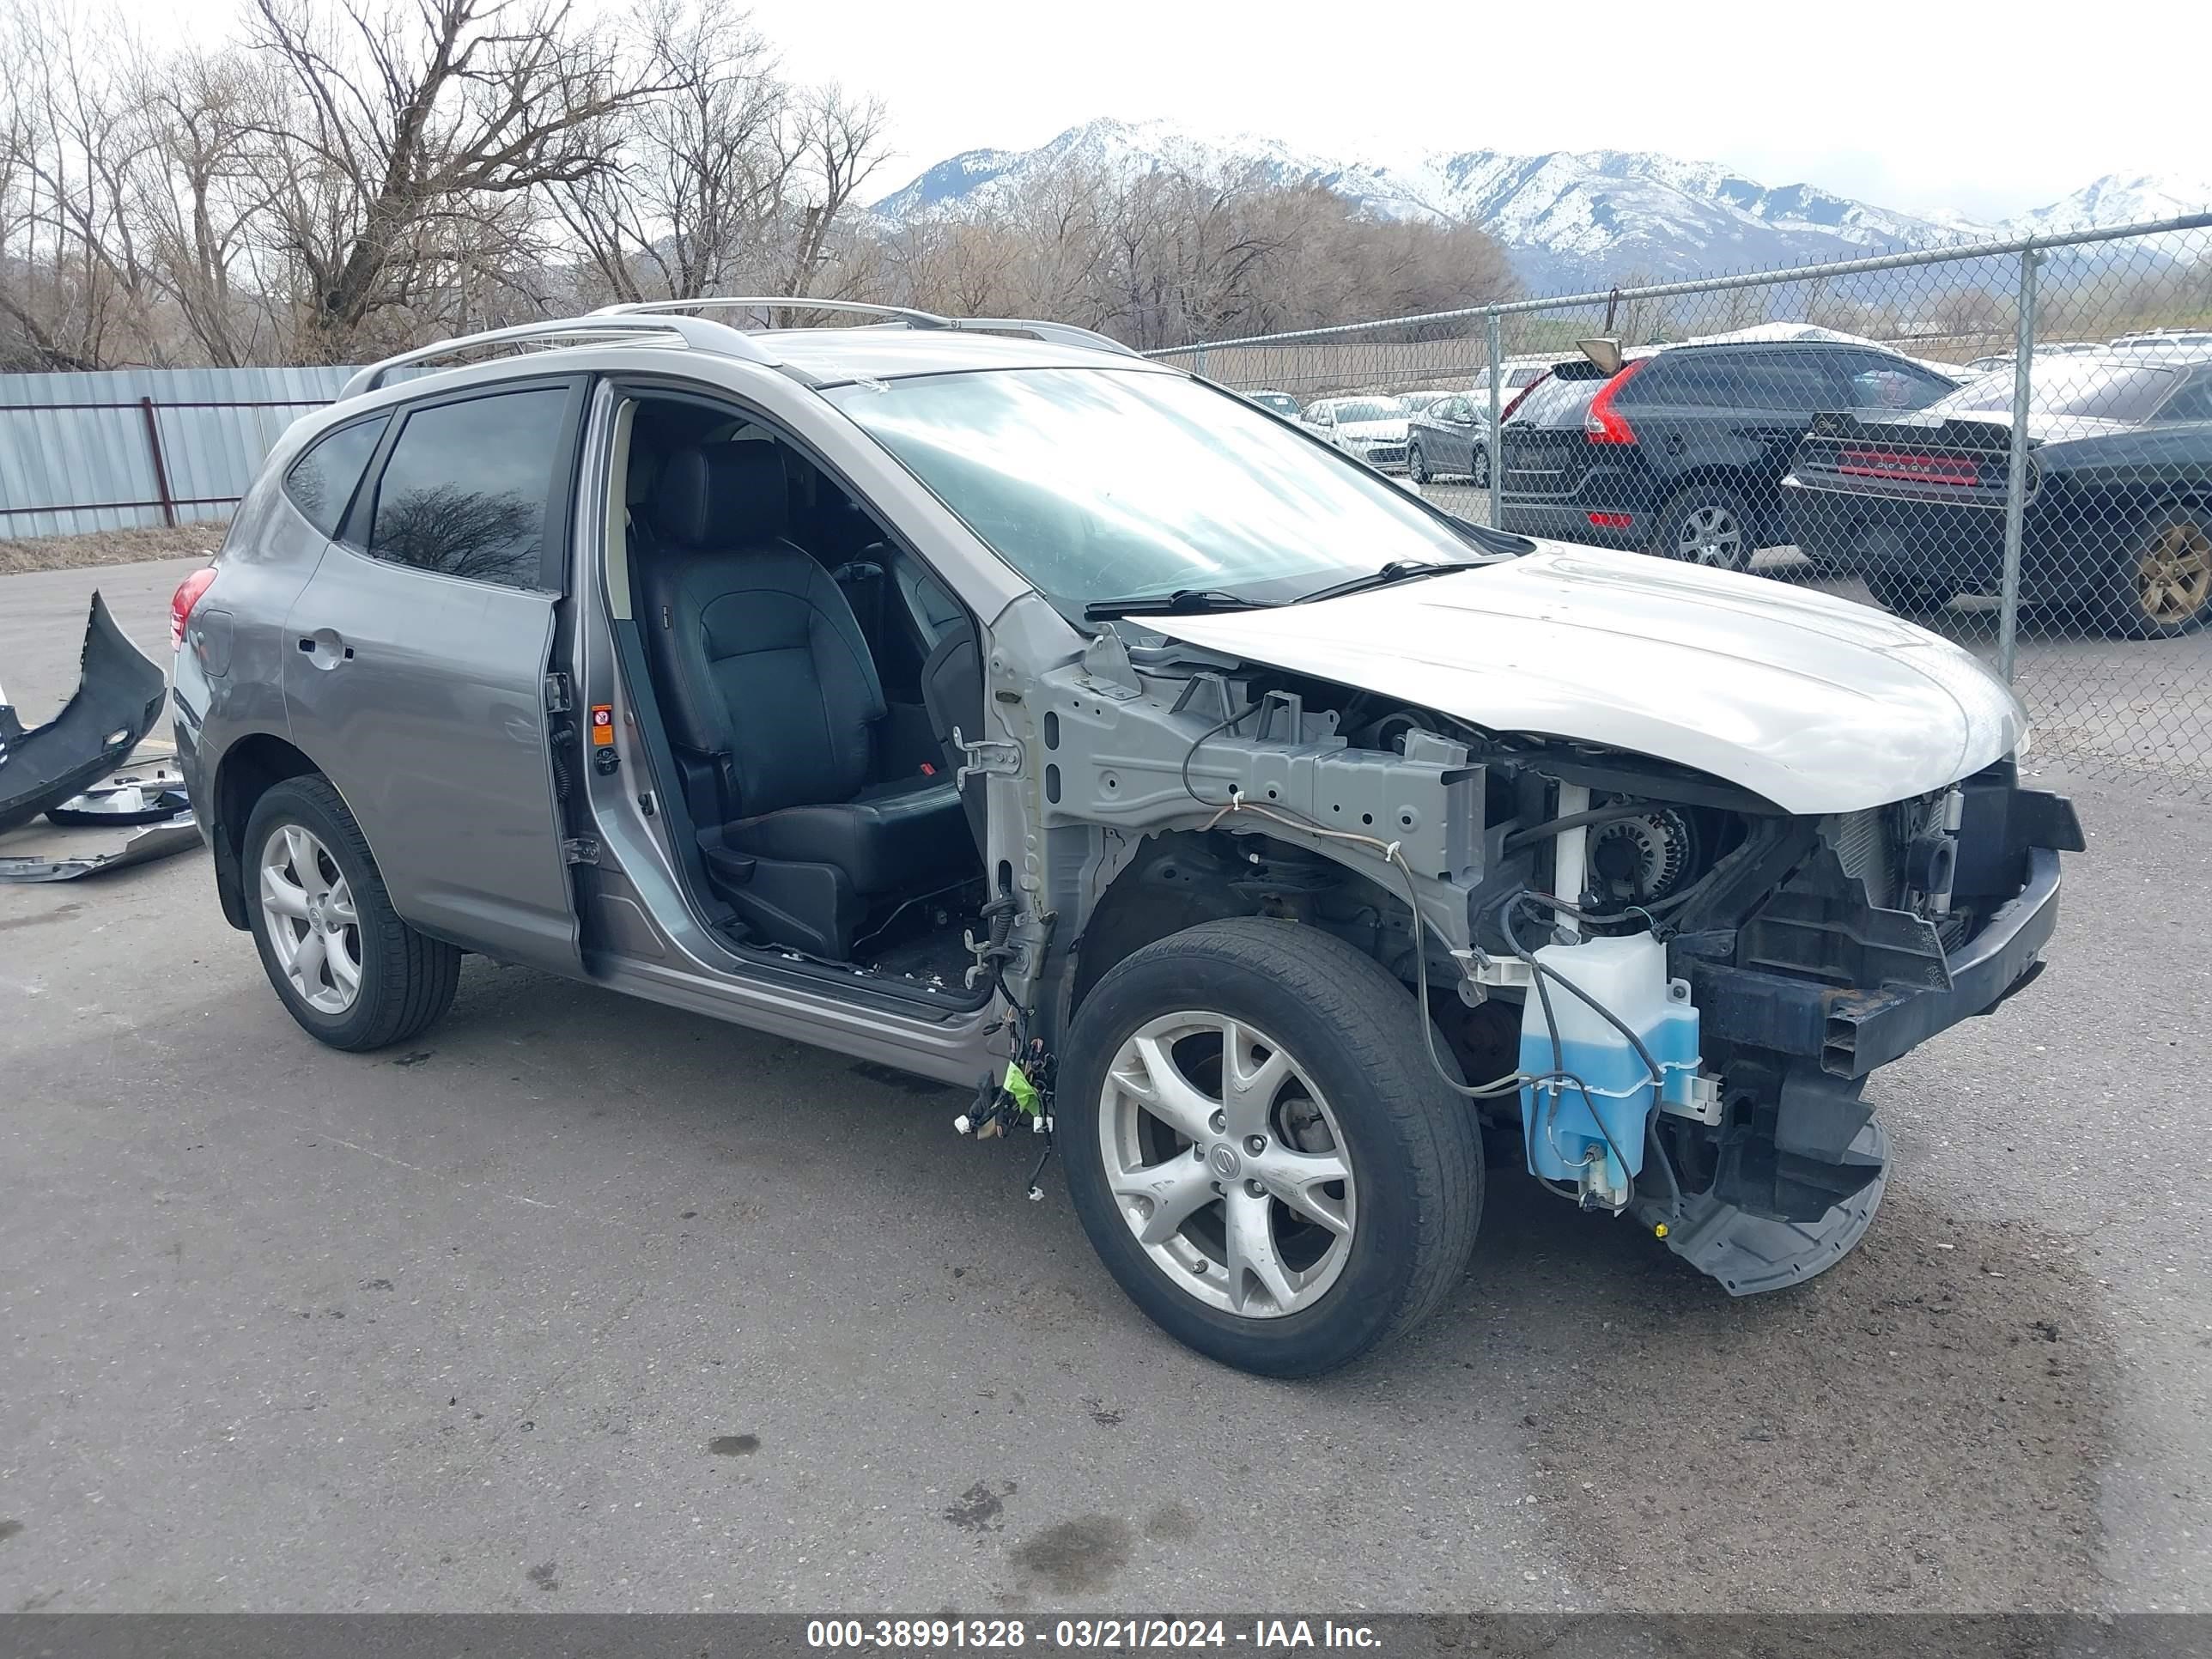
1851, 1031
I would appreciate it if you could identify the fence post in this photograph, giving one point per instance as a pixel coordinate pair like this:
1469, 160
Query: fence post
161, 467
2023, 363
1497, 389
1198, 369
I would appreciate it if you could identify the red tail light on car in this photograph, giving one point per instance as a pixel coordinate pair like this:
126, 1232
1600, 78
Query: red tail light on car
1605, 424
1612, 520
1908, 467
182, 601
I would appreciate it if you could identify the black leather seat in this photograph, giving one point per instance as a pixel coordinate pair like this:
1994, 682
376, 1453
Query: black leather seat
772, 703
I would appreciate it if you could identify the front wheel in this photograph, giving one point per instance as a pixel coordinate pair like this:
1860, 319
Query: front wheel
1260, 1150
345, 966
1417, 465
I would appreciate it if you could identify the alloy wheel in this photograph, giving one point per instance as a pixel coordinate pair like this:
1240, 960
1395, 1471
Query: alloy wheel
1227, 1165
312, 925
1709, 535
2173, 577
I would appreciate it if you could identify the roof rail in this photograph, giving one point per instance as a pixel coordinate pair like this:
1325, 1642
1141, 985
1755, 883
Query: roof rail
907, 315
1051, 334
1054, 333
698, 333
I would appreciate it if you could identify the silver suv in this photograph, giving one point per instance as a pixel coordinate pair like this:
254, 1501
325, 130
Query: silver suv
976, 698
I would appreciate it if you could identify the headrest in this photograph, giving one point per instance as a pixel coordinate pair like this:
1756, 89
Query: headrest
724, 496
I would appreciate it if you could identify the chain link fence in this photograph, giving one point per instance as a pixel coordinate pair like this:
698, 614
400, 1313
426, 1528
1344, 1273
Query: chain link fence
2009, 443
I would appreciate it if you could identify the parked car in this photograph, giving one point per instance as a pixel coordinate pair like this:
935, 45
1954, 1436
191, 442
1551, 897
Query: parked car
1416, 403
2118, 524
2167, 344
1370, 429
1278, 403
1021, 710
1681, 452
2003, 360
1450, 439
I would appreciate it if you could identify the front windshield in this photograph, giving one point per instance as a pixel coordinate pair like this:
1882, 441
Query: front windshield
1368, 408
1100, 483
2078, 388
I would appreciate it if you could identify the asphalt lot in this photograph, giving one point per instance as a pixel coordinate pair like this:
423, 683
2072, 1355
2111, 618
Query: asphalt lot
582, 1303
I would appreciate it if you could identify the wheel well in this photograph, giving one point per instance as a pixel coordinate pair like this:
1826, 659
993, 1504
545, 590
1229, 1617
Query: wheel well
250, 768
1182, 877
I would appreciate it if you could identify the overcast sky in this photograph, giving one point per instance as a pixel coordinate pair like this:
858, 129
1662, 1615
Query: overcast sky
1989, 107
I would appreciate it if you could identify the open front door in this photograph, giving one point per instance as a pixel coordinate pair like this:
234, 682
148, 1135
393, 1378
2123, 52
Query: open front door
415, 672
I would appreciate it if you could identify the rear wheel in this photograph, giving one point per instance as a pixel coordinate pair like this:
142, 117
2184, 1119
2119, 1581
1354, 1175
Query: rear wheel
1482, 466
1706, 524
2162, 585
346, 966
1910, 595
1258, 1150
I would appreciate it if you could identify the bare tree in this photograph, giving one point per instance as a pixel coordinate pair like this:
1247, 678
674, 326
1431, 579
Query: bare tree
837, 145
412, 132
697, 194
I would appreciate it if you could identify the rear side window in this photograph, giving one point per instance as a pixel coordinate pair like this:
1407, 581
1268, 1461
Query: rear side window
466, 491
2192, 403
1558, 402
1799, 381
322, 482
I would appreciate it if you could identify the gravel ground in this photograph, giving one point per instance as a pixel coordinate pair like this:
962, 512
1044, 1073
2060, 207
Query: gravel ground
582, 1305
109, 547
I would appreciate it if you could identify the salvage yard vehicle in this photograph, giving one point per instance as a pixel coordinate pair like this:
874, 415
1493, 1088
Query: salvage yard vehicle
1370, 429
976, 698
1680, 450
2116, 525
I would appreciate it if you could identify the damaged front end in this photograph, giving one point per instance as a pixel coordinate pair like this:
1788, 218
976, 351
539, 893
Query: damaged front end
1671, 988
118, 698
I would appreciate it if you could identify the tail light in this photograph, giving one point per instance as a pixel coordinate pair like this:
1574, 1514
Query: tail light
182, 601
1605, 424
1612, 520
1910, 468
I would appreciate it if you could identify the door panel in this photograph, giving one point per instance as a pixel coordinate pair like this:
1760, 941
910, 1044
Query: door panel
421, 694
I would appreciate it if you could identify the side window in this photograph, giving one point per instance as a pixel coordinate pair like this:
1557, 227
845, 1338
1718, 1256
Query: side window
1797, 381
467, 489
321, 482
1874, 382
2192, 403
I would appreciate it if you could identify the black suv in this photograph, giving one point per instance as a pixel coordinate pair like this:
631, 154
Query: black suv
1681, 453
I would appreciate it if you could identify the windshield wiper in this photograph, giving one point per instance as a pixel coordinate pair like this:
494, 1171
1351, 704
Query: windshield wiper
1398, 570
1183, 602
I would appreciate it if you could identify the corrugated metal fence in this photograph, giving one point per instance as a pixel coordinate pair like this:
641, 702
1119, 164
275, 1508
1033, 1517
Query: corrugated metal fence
123, 449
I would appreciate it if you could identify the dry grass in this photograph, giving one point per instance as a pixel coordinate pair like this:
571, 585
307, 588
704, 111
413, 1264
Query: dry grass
109, 547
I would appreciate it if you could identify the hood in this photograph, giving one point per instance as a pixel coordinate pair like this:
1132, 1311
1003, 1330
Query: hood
1394, 427
1816, 703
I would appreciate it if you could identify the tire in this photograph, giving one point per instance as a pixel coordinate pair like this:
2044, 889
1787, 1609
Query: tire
1712, 519
1359, 1089
2159, 587
403, 981
1417, 465
1481, 466
1909, 596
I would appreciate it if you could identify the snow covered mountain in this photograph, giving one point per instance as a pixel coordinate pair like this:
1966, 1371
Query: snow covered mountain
1569, 218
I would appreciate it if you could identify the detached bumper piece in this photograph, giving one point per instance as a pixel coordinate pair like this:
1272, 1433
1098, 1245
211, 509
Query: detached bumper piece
118, 698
